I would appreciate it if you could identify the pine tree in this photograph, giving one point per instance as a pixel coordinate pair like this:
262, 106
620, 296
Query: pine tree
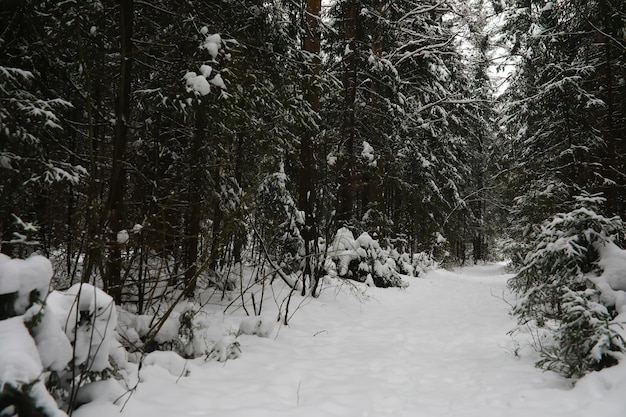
33, 162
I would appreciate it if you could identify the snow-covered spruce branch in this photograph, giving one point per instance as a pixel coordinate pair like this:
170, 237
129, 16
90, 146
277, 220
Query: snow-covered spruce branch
545, 88
410, 54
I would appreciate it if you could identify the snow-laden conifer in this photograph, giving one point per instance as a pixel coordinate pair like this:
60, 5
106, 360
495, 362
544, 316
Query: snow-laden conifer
557, 291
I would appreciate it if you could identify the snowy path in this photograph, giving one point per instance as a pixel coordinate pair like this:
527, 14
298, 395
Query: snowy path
439, 348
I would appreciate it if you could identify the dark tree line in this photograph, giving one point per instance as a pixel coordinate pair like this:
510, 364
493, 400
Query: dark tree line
154, 126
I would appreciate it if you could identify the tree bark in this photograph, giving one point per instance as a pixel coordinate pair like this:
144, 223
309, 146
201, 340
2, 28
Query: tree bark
308, 174
114, 206
348, 180
191, 241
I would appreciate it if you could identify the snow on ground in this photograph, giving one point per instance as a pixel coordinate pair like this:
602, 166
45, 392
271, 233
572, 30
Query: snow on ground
438, 348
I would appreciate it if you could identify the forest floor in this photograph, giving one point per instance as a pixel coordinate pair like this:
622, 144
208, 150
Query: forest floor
437, 348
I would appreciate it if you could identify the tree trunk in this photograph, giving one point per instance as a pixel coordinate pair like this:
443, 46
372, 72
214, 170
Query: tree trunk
308, 175
114, 206
375, 186
195, 201
348, 180
239, 236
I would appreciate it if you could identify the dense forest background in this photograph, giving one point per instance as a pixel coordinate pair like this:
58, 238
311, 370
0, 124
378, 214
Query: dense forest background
168, 143
205, 131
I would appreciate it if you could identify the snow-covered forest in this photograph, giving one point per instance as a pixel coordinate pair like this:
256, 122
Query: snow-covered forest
177, 177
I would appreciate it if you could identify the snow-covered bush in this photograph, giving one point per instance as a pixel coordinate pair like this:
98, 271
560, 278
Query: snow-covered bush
226, 348
422, 262
586, 338
403, 263
179, 330
556, 285
563, 258
87, 317
22, 389
64, 340
23, 355
612, 281
364, 260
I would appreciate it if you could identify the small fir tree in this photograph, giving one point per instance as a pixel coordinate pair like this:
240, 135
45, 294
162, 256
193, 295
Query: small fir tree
555, 289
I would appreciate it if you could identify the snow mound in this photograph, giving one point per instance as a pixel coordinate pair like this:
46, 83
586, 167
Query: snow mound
20, 365
26, 278
168, 331
612, 281
171, 361
89, 318
107, 391
258, 326
97, 409
54, 347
